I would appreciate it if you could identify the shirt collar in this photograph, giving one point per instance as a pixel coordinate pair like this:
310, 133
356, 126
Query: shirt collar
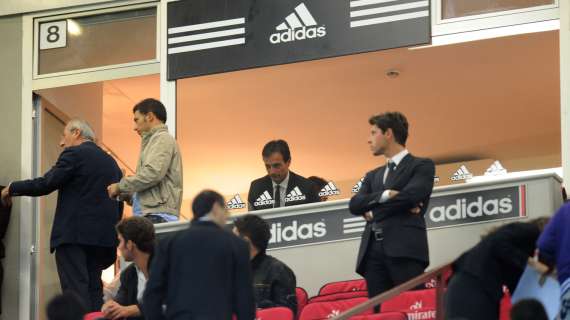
283, 183
397, 158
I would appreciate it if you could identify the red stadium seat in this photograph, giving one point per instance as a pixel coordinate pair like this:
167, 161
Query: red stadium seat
302, 299
343, 286
278, 313
382, 316
329, 309
418, 304
94, 316
339, 296
505, 306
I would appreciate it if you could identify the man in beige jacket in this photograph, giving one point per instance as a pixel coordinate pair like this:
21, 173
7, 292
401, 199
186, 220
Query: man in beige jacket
156, 188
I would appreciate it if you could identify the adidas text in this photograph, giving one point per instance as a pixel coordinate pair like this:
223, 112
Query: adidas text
298, 34
297, 232
329, 193
295, 198
463, 210
236, 206
263, 203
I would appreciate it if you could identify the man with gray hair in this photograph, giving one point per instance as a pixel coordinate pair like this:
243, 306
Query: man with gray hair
83, 234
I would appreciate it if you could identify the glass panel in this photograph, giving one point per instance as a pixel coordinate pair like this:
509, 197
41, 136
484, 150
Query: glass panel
107, 106
321, 108
462, 8
100, 40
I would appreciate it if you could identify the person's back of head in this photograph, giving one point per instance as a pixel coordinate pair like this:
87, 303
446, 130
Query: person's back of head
528, 309
254, 228
209, 203
66, 306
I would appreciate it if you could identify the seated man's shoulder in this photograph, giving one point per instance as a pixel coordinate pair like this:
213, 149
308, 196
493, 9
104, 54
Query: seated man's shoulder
278, 265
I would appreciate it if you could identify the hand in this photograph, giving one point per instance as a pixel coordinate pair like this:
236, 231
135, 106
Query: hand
418, 209
113, 310
6, 199
368, 216
392, 193
113, 190
538, 266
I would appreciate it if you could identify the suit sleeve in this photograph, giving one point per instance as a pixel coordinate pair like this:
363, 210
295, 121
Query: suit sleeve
56, 177
418, 189
155, 291
250, 198
505, 246
547, 241
365, 200
153, 170
244, 304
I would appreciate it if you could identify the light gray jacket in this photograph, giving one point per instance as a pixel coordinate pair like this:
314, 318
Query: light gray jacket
158, 180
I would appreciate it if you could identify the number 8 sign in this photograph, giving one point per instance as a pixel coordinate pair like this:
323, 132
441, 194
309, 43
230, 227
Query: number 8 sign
53, 34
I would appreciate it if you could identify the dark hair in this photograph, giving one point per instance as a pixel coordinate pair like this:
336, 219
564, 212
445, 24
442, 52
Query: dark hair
66, 306
280, 146
255, 228
528, 309
140, 231
204, 202
151, 105
392, 120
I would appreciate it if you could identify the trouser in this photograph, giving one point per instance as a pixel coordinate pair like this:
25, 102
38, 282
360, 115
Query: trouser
383, 272
466, 299
80, 267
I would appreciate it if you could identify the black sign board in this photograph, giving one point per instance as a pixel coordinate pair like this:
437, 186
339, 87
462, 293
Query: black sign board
213, 36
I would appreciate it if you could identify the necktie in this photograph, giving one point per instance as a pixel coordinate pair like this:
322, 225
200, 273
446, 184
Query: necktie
277, 197
390, 167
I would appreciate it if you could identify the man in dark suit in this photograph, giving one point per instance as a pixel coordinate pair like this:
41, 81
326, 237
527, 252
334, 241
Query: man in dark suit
202, 272
83, 234
280, 187
393, 199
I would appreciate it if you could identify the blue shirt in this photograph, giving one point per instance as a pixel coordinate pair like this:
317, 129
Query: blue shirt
554, 242
137, 211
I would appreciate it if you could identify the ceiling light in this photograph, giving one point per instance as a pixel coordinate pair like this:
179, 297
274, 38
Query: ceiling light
73, 27
392, 73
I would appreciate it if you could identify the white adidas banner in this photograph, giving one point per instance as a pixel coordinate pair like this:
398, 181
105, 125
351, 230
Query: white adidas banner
212, 36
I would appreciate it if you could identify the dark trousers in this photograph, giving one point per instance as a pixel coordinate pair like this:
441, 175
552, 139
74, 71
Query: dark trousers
466, 299
79, 268
383, 273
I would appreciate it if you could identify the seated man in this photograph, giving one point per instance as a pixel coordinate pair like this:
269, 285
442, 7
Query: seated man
280, 187
273, 282
136, 244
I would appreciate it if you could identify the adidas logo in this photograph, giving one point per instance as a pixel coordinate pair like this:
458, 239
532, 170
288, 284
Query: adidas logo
295, 195
496, 169
417, 305
357, 186
264, 199
461, 174
235, 203
333, 314
329, 190
299, 25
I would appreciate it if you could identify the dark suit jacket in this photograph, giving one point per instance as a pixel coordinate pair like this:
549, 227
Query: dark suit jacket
84, 214
404, 233
4, 222
263, 184
201, 273
500, 258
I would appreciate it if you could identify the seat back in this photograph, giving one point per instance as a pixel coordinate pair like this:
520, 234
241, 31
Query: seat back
277, 313
339, 296
94, 316
343, 286
418, 304
302, 299
382, 316
330, 309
